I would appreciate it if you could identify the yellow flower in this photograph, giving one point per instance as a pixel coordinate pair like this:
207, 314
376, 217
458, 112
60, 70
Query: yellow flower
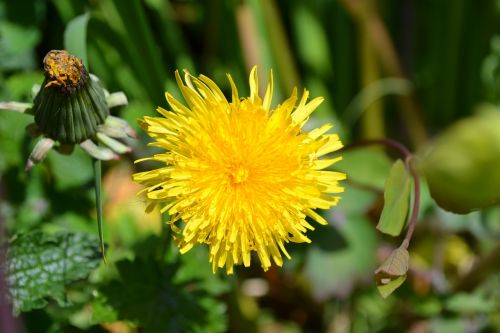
240, 176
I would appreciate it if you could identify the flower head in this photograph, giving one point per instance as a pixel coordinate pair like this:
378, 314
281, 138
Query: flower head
71, 107
240, 176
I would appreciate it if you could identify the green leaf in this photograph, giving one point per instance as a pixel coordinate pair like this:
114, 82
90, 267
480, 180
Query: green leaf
396, 200
39, 266
147, 293
392, 273
75, 37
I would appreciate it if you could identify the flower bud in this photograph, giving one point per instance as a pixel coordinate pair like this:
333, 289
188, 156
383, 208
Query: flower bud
70, 104
462, 165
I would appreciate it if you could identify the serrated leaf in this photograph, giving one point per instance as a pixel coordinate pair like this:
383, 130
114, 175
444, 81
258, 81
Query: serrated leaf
39, 266
396, 200
392, 273
146, 293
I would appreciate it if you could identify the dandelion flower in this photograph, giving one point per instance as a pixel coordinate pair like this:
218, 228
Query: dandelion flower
240, 176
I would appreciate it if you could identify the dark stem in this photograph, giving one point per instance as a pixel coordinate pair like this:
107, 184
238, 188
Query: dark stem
416, 202
408, 158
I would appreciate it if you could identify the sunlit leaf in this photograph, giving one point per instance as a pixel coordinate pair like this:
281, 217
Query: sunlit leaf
396, 200
40, 266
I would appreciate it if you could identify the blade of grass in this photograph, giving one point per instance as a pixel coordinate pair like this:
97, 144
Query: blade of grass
280, 46
138, 43
75, 37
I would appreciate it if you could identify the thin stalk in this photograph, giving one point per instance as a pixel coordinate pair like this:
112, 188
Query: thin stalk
98, 202
416, 202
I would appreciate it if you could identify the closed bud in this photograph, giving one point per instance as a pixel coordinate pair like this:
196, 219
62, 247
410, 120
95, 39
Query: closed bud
462, 165
70, 105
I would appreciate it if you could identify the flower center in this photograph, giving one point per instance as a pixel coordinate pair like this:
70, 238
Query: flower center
64, 70
239, 174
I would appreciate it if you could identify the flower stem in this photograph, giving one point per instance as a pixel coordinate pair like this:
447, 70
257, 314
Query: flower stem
416, 202
98, 202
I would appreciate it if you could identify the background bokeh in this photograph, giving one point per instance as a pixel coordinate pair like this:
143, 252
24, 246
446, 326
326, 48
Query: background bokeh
401, 69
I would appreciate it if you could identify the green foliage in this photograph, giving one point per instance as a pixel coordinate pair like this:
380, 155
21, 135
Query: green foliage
39, 266
146, 293
396, 200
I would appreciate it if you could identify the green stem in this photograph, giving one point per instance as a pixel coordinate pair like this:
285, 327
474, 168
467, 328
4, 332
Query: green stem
98, 202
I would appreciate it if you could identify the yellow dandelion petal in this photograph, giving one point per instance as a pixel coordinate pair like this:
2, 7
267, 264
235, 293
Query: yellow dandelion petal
240, 176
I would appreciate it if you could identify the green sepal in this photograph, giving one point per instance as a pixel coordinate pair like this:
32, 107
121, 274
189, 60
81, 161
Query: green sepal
70, 117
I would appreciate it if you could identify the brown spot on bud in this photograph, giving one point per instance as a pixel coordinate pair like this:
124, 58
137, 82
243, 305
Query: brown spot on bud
64, 70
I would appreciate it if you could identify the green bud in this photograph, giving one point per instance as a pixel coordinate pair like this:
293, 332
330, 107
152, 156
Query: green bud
70, 104
462, 166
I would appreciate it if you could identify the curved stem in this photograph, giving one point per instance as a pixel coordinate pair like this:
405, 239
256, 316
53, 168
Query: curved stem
416, 202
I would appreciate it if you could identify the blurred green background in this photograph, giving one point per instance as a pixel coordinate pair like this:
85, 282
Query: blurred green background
403, 69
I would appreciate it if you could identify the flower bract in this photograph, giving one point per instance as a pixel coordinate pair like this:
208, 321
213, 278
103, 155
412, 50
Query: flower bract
241, 176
